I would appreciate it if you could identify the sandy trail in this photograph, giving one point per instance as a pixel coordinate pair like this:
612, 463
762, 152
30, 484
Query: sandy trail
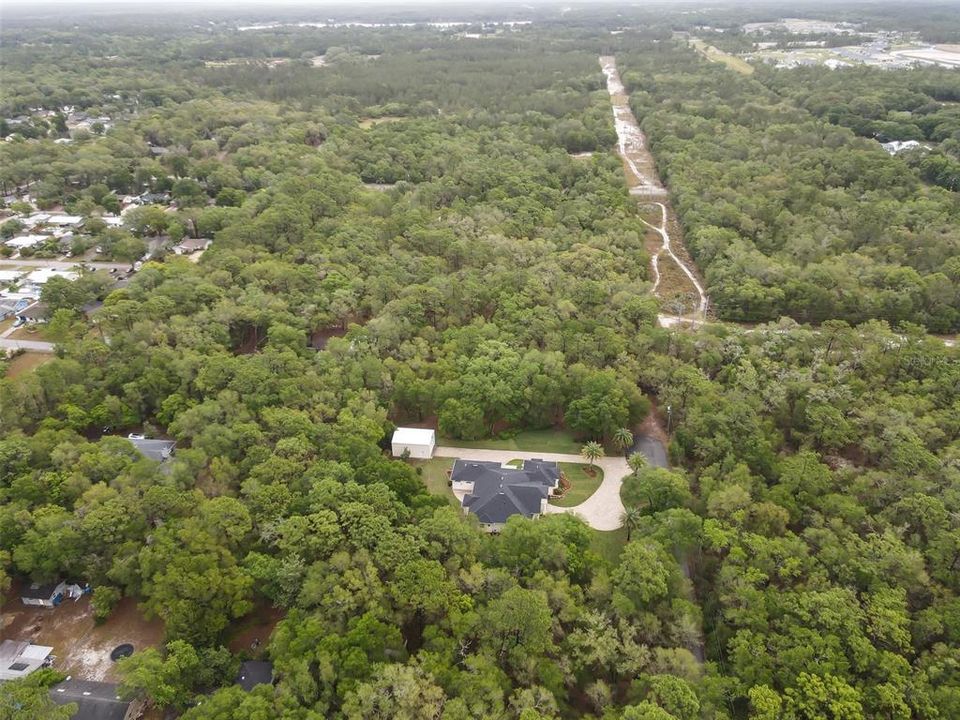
631, 142
666, 247
643, 180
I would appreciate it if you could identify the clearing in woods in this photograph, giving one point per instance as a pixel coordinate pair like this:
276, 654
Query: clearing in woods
716, 55
25, 363
82, 648
675, 279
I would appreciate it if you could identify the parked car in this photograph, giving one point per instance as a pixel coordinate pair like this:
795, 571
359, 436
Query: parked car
19, 321
136, 436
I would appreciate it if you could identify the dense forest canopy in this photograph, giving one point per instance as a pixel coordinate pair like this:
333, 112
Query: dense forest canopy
449, 214
788, 214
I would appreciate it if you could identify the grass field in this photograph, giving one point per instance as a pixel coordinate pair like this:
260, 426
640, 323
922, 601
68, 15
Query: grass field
557, 441
26, 362
435, 477
714, 55
582, 485
609, 545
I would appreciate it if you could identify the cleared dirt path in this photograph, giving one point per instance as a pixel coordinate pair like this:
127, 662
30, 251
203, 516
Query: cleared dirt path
631, 142
644, 184
666, 247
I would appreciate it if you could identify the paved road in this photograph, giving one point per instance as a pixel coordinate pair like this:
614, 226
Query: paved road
63, 264
31, 345
651, 448
602, 511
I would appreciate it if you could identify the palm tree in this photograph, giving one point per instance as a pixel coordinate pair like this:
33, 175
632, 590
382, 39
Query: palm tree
637, 462
622, 438
631, 519
592, 451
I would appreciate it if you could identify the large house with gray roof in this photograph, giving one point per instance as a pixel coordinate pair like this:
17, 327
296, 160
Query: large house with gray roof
495, 492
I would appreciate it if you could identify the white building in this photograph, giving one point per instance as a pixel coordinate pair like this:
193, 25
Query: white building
26, 241
44, 594
41, 276
895, 147
188, 246
19, 659
414, 442
65, 220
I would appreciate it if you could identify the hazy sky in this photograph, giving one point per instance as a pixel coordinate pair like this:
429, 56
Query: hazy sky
318, 4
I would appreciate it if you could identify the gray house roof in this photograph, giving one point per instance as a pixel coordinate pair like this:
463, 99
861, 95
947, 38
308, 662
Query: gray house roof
500, 492
158, 450
253, 673
95, 700
40, 591
37, 311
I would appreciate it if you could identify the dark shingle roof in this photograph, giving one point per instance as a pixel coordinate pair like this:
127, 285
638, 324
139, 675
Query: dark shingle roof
499, 492
37, 311
39, 591
253, 673
95, 700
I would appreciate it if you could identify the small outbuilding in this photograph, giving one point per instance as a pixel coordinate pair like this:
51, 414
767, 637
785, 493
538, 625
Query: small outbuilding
413, 442
44, 594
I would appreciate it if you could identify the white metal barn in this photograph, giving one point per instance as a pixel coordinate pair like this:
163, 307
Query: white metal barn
416, 442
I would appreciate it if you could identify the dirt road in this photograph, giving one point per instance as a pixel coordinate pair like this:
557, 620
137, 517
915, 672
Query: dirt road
644, 184
666, 247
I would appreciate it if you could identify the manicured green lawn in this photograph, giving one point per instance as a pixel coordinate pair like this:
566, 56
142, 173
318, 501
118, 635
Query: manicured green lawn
609, 545
557, 441
435, 477
582, 485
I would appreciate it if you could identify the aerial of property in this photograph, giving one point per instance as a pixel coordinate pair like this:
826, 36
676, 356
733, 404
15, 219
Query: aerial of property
502, 360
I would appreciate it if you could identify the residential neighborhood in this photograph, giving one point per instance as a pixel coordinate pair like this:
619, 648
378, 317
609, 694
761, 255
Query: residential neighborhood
494, 361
